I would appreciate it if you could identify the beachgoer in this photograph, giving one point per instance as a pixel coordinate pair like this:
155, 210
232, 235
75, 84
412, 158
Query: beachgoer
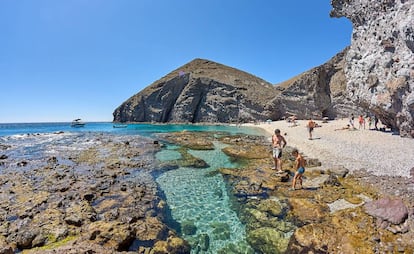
278, 143
351, 121
311, 125
347, 127
299, 168
361, 122
376, 120
369, 122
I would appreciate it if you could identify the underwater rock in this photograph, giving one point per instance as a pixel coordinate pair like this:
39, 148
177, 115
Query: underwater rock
267, 240
173, 245
188, 228
221, 231
190, 140
188, 160
270, 206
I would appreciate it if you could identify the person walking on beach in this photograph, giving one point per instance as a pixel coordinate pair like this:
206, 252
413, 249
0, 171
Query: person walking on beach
311, 125
351, 121
278, 143
361, 122
299, 169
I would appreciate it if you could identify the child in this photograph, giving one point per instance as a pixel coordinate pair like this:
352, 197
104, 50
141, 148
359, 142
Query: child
299, 167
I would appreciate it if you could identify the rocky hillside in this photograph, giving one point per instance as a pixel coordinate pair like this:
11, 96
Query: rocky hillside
205, 91
379, 65
201, 91
319, 92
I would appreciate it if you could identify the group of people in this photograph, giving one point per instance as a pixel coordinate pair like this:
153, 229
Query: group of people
362, 122
278, 143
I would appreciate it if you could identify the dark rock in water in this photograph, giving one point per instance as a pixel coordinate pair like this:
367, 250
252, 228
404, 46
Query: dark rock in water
204, 242
3, 157
392, 210
188, 228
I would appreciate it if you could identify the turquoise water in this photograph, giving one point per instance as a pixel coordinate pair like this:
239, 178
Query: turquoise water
198, 200
7, 129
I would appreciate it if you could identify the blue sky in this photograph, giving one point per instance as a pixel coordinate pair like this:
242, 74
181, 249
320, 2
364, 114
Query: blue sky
64, 59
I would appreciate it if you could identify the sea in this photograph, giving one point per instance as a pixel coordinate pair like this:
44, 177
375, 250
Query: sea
195, 196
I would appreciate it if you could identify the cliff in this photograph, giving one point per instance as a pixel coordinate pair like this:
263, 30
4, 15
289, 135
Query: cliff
319, 92
379, 66
201, 91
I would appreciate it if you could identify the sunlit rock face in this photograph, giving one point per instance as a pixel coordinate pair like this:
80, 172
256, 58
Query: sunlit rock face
318, 92
380, 62
201, 91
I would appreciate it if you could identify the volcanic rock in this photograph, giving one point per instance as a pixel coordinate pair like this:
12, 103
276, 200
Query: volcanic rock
379, 66
200, 91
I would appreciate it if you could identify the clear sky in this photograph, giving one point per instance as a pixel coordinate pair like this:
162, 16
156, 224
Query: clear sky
66, 59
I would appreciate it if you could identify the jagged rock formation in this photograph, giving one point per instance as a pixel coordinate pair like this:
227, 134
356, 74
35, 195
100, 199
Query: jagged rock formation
201, 91
205, 91
319, 92
380, 62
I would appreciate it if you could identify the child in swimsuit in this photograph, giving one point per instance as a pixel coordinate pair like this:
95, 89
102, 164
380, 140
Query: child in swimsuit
299, 167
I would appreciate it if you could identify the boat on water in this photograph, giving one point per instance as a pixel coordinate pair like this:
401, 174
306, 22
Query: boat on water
77, 123
120, 125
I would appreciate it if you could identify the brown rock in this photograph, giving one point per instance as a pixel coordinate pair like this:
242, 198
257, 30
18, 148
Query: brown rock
307, 211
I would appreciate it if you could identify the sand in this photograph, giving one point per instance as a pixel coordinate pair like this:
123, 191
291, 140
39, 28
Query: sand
380, 153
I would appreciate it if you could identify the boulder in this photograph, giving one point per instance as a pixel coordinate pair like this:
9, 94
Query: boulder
391, 210
267, 240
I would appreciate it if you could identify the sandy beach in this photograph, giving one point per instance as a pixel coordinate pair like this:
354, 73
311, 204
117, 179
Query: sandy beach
380, 153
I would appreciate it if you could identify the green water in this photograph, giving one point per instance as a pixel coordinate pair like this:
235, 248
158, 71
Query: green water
199, 202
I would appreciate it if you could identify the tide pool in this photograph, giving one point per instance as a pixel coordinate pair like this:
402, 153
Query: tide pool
199, 202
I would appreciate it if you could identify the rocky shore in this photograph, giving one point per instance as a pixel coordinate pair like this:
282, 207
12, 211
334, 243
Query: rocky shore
96, 193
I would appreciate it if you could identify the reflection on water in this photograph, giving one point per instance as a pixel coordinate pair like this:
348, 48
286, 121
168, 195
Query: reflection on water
199, 202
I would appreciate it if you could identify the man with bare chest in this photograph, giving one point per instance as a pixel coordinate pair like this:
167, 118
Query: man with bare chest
278, 143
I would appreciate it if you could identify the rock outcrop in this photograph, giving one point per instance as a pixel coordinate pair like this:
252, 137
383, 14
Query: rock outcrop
319, 92
201, 91
379, 65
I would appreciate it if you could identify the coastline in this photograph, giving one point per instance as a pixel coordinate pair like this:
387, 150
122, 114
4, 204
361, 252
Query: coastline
379, 153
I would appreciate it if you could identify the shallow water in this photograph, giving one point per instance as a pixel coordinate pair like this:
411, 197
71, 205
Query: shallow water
199, 197
195, 196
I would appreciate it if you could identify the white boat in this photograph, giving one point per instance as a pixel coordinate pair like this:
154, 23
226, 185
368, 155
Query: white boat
77, 123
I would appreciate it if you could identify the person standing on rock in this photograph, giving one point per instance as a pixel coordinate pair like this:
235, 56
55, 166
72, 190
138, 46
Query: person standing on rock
278, 143
299, 169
